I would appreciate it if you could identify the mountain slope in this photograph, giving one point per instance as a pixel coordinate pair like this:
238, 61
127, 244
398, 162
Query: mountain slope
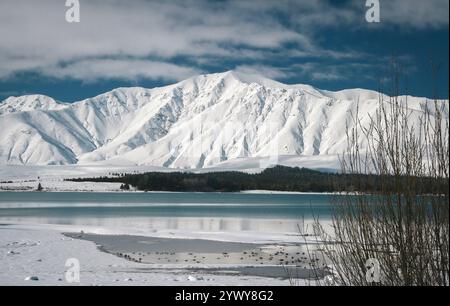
199, 122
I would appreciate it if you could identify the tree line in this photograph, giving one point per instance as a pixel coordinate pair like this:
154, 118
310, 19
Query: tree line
278, 178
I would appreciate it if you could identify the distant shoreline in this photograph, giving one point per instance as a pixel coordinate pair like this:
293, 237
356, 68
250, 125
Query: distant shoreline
263, 192
276, 179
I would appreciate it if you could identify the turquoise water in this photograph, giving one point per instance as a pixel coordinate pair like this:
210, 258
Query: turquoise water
168, 211
101, 205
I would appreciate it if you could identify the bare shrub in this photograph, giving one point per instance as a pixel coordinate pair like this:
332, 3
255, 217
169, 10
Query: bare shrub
401, 226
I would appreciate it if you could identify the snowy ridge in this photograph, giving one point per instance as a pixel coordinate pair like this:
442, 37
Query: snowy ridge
201, 122
29, 103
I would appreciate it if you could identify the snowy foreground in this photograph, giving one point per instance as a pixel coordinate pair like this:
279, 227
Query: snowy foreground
32, 254
37, 255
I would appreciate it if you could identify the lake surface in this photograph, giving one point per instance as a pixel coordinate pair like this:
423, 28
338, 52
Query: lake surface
213, 212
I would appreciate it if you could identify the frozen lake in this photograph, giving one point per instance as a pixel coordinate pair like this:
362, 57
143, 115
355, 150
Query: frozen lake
149, 212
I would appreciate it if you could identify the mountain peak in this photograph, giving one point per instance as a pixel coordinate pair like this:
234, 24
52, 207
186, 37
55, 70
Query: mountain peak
29, 103
253, 78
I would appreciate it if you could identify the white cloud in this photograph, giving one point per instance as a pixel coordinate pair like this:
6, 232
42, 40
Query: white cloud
35, 36
416, 14
311, 71
266, 71
92, 69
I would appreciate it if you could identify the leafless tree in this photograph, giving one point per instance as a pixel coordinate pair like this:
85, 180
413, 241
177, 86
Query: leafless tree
403, 226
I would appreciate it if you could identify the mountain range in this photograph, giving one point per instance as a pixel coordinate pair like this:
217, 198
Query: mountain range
199, 122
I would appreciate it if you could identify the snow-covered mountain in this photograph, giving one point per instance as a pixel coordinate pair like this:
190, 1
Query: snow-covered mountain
200, 122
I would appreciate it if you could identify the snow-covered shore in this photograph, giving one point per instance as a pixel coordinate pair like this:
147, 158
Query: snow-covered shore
41, 252
55, 185
52, 178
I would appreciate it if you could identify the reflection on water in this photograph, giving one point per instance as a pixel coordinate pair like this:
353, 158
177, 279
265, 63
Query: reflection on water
212, 212
149, 224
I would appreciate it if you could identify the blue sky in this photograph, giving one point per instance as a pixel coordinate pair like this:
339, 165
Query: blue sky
327, 44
